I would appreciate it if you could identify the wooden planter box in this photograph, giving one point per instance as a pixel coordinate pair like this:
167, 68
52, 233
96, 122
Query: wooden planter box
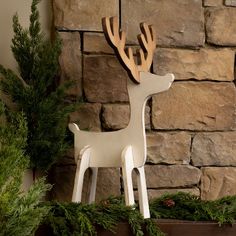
170, 227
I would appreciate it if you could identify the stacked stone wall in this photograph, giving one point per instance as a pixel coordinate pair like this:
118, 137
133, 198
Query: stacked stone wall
191, 137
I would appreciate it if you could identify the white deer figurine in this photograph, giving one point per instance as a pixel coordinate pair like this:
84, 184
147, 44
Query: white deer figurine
124, 148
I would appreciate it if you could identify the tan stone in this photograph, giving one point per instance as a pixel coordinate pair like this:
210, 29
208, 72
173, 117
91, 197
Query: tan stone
195, 106
220, 26
213, 3
156, 193
217, 182
163, 176
214, 149
71, 62
63, 182
203, 64
87, 116
104, 79
168, 148
116, 116
230, 3
177, 23
96, 43
83, 14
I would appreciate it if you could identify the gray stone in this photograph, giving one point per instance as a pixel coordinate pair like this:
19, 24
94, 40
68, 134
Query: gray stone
168, 148
116, 116
203, 64
217, 182
217, 21
171, 176
214, 149
156, 193
96, 43
213, 3
71, 62
195, 106
104, 79
177, 23
230, 3
63, 183
83, 14
87, 117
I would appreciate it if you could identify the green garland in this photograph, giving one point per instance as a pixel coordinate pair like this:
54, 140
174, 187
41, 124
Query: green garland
81, 219
185, 206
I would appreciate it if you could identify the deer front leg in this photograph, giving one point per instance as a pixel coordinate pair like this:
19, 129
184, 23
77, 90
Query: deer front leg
82, 166
127, 167
142, 192
93, 184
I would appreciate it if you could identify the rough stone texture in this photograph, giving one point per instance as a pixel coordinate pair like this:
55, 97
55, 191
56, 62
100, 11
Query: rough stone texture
217, 21
63, 182
177, 23
156, 193
213, 3
231, 3
162, 176
203, 64
104, 79
196, 106
214, 149
83, 14
96, 43
168, 148
71, 62
87, 116
217, 182
116, 116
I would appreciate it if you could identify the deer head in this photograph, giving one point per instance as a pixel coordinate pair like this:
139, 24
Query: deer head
138, 72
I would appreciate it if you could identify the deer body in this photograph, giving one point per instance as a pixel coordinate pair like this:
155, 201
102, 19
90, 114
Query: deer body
106, 147
125, 148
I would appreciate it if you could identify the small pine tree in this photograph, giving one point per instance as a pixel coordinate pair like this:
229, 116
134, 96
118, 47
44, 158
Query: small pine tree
34, 91
20, 214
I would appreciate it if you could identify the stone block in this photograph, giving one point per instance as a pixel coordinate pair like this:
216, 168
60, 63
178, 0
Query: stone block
83, 14
87, 116
217, 182
168, 148
71, 62
104, 79
203, 64
171, 176
177, 23
195, 106
96, 43
63, 183
156, 193
214, 149
230, 3
213, 3
116, 116
217, 21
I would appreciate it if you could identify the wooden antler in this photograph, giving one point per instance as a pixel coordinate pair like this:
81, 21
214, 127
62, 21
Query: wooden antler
117, 40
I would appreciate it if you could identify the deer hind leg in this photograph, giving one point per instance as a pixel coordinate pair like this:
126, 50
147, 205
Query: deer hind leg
127, 167
82, 166
142, 192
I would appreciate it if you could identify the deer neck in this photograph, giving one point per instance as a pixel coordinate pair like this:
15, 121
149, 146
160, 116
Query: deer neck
137, 108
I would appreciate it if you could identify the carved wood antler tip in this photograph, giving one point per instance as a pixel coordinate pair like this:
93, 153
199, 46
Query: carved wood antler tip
117, 38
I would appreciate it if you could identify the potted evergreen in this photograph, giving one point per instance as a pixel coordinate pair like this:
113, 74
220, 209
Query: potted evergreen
37, 93
20, 214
